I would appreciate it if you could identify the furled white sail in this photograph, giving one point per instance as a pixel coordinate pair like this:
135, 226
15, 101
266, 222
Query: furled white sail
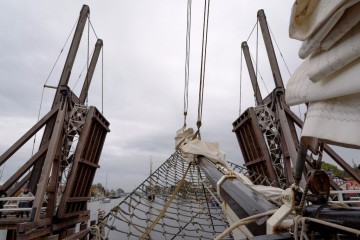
314, 41
324, 63
309, 15
191, 147
328, 79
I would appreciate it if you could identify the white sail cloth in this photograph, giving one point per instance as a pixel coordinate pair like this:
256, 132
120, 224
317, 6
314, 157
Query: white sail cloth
314, 41
329, 77
308, 16
191, 147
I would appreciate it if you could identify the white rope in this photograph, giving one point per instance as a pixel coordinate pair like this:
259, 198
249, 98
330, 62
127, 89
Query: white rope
333, 225
244, 221
161, 214
95, 231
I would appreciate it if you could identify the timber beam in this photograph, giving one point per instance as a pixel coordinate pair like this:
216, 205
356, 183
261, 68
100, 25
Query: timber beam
243, 200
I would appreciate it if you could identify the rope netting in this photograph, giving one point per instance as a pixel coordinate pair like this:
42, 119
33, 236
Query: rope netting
175, 202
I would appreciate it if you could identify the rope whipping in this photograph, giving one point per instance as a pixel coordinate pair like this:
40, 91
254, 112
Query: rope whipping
203, 64
187, 61
184, 206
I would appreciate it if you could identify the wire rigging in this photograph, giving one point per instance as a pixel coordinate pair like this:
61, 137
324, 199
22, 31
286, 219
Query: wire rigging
88, 50
102, 80
203, 62
282, 57
48, 77
255, 62
92, 27
252, 31
61, 51
261, 77
102, 67
241, 65
257, 50
82, 71
187, 61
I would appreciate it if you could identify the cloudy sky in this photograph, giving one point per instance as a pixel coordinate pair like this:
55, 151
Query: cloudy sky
143, 69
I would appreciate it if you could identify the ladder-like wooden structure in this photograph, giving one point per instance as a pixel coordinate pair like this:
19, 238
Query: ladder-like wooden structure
61, 172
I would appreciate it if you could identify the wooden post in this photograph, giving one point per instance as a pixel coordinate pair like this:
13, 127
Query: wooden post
270, 49
250, 67
90, 72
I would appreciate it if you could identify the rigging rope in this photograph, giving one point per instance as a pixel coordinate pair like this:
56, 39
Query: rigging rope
203, 63
245, 221
161, 214
187, 60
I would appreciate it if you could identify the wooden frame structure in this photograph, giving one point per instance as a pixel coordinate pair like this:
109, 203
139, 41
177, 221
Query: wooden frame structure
64, 167
266, 133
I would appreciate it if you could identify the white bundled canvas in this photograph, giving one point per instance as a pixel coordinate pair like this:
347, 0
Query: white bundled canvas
300, 89
325, 63
211, 150
314, 41
328, 79
308, 15
183, 136
350, 18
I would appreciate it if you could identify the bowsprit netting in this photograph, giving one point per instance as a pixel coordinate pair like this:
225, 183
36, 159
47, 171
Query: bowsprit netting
193, 213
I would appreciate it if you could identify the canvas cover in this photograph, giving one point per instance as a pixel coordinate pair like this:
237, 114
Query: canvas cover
191, 147
328, 79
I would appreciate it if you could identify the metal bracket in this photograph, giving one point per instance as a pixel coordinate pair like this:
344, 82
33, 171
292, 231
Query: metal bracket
223, 178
